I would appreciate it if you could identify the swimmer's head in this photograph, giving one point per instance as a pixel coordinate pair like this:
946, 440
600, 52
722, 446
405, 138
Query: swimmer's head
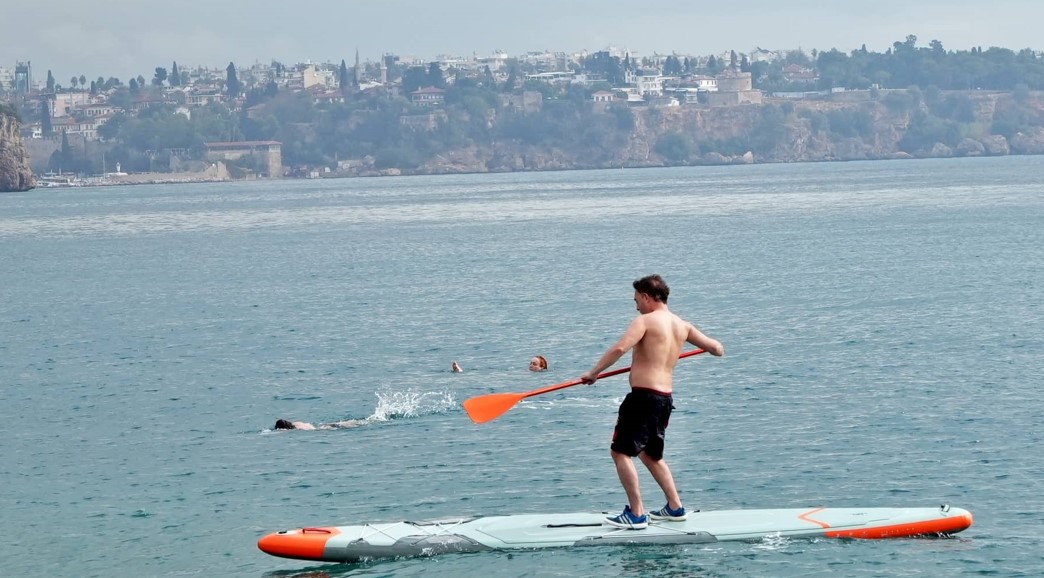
284, 424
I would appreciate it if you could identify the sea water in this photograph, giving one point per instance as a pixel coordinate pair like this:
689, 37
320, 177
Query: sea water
882, 321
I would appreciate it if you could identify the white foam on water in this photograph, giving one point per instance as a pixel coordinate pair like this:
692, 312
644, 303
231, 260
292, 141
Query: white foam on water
410, 403
772, 543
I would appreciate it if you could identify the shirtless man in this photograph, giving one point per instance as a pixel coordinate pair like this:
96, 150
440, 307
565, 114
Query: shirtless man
657, 337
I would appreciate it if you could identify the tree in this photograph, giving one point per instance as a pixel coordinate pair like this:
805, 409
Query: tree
66, 149
73, 82
414, 78
141, 81
45, 117
232, 81
906, 47
834, 67
435, 77
83, 80
111, 129
512, 79
604, 63
674, 147
712, 65
160, 77
66, 160
175, 76
797, 57
672, 66
925, 130
11, 111
133, 86
343, 79
50, 82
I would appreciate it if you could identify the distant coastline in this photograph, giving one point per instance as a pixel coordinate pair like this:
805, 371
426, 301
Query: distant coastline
537, 112
195, 178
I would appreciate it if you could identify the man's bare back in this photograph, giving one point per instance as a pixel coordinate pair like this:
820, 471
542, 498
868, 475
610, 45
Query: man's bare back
657, 337
656, 353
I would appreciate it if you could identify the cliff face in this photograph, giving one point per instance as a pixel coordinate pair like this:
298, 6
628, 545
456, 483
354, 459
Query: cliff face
854, 126
15, 174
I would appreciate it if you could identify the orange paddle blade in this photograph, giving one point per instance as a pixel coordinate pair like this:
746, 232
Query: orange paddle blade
489, 407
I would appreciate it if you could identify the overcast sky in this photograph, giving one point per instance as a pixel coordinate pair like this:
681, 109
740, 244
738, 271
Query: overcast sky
125, 38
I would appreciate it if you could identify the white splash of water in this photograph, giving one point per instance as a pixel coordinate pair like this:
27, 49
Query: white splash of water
410, 403
772, 542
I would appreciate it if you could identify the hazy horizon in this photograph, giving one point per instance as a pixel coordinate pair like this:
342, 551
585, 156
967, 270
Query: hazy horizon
126, 38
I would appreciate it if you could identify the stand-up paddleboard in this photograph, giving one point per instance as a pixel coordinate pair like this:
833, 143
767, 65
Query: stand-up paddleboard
353, 543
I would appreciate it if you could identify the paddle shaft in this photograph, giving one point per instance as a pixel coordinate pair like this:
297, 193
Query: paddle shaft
491, 406
559, 386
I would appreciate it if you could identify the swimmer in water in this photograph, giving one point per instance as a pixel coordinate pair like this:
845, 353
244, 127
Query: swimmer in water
538, 363
303, 425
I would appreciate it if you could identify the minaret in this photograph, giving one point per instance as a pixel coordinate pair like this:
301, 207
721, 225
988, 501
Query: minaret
384, 71
358, 69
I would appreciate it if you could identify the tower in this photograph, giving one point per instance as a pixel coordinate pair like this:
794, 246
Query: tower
358, 69
23, 78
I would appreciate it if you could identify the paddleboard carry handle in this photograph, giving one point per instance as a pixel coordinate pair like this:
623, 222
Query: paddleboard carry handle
315, 531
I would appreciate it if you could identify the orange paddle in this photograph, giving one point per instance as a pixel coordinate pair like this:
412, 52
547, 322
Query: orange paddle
489, 407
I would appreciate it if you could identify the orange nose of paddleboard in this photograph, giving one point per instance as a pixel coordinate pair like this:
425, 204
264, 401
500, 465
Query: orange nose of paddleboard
943, 525
302, 544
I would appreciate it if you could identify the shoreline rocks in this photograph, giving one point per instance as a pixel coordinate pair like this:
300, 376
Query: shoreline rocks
15, 174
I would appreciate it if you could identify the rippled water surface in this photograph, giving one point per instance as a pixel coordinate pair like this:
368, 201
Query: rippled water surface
882, 320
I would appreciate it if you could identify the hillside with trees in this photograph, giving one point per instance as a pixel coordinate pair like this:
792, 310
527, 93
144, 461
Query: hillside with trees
907, 101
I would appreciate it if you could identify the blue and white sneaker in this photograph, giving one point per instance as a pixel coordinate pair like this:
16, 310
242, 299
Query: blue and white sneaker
667, 514
628, 520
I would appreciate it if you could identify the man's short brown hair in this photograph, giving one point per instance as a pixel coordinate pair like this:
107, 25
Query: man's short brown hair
654, 286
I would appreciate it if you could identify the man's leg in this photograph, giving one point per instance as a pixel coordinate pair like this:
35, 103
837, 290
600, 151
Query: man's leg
629, 479
662, 474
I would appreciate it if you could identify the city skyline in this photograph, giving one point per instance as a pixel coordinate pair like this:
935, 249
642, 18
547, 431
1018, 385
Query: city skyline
125, 38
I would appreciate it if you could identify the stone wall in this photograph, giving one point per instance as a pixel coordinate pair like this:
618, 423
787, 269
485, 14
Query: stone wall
15, 174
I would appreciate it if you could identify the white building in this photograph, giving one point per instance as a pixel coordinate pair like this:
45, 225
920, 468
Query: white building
649, 84
704, 82
6, 79
65, 102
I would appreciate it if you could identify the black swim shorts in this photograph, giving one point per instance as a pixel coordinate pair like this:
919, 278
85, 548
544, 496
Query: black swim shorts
641, 423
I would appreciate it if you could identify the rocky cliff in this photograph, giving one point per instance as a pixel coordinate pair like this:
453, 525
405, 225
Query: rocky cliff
861, 125
15, 174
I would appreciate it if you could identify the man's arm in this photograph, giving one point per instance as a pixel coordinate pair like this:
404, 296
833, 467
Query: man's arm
630, 338
711, 346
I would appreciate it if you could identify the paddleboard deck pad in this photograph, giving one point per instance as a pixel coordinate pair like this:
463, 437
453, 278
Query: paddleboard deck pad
524, 531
